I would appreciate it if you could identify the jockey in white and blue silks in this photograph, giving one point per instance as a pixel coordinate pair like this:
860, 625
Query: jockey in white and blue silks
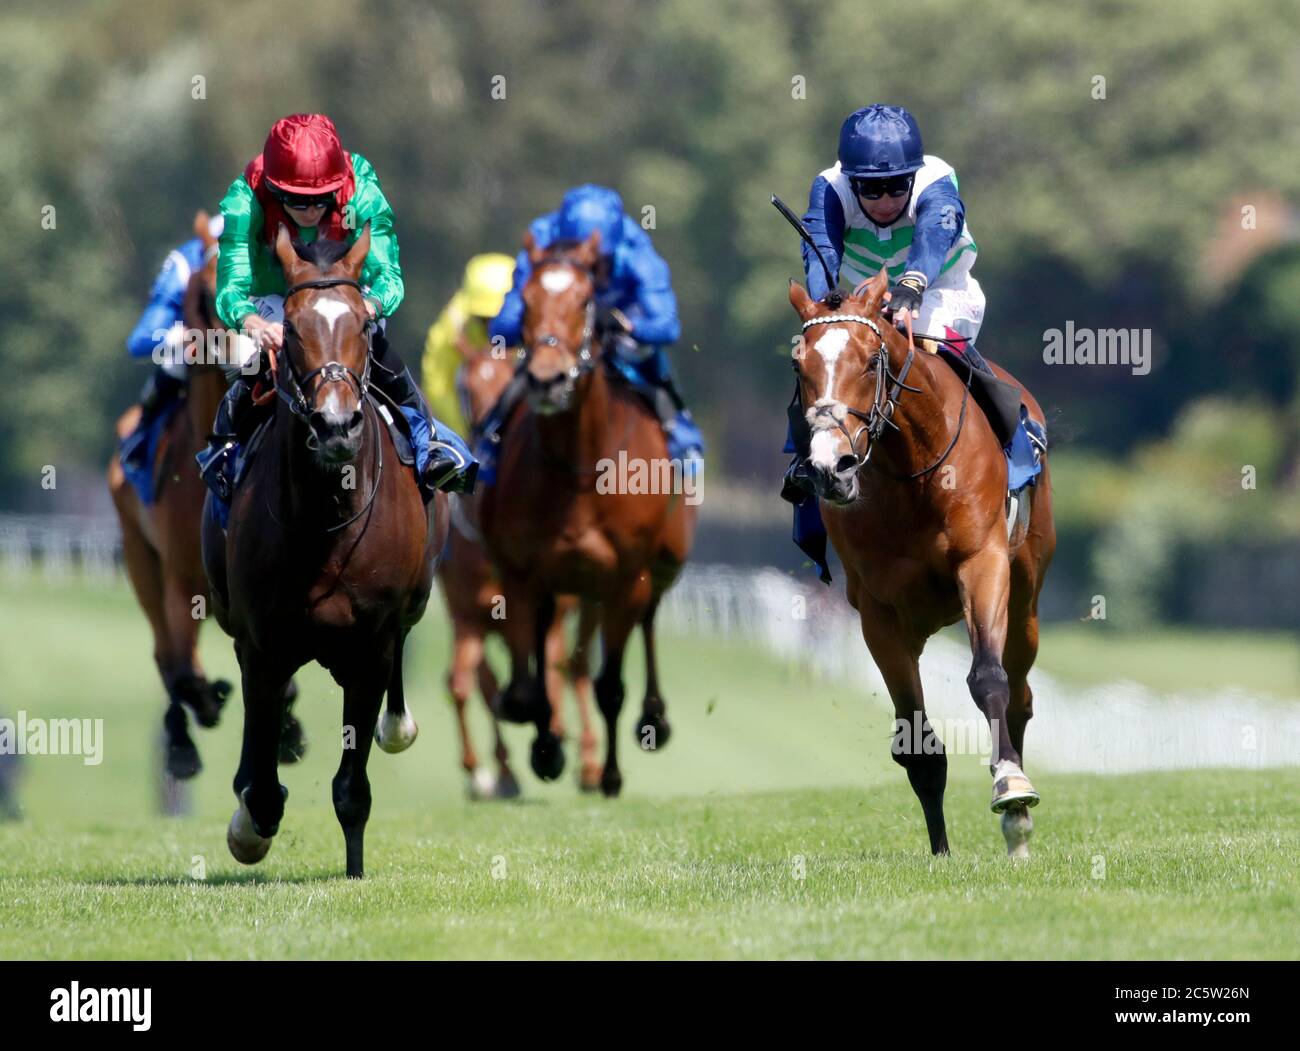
160, 332
633, 284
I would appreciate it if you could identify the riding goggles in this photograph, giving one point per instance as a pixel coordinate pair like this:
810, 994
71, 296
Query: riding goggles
874, 189
293, 200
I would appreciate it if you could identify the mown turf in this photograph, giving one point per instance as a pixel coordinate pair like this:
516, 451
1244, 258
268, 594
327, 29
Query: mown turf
773, 824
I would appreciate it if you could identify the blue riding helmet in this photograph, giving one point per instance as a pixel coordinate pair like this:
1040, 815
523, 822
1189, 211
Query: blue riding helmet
587, 208
880, 141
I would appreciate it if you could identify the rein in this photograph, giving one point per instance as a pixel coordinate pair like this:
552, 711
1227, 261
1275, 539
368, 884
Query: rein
889, 389
292, 391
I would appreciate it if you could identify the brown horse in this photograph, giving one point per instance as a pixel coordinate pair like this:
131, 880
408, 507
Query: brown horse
473, 596
552, 531
913, 491
160, 541
329, 553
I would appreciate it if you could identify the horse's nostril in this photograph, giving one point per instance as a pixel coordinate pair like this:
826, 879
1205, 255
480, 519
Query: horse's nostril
846, 464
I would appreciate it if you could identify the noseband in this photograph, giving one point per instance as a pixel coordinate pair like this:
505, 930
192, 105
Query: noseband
293, 390
889, 388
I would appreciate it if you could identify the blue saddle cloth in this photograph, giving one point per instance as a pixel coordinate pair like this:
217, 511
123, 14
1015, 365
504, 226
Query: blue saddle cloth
1024, 465
137, 451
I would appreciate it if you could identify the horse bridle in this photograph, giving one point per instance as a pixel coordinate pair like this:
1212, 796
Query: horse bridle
585, 359
889, 388
332, 371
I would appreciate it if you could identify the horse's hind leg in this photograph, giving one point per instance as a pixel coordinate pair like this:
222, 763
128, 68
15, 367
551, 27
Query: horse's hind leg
507, 785
363, 693
652, 730
397, 730
293, 738
466, 652
915, 746
984, 583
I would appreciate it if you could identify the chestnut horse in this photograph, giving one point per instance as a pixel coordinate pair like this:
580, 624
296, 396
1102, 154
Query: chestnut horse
160, 542
913, 491
329, 553
473, 596
551, 531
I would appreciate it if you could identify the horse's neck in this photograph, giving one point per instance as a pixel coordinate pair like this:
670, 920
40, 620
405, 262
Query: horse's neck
923, 430
308, 498
578, 437
207, 386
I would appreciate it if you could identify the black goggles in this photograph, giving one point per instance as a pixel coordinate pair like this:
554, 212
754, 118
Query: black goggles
874, 189
293, 200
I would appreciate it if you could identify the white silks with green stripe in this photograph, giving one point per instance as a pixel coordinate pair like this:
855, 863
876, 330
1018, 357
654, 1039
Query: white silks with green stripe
954, 299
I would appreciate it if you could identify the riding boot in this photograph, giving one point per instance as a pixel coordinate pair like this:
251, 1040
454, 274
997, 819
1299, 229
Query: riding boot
160, 389
975, 358
685, 442
217, 461
449, 465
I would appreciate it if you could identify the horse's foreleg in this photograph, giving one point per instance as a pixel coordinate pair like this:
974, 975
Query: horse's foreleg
915, 746
1017, 659
553, 650
619, 618
653, 726
363, 692
984, 584
517, 702
579, 668
257, 787
547, 757
397, 730
184, 608
466, 652
507, 785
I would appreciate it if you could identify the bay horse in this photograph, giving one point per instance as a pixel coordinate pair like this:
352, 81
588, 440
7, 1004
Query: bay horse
329, 553
913, 491
160, 541
472, 592
551, 532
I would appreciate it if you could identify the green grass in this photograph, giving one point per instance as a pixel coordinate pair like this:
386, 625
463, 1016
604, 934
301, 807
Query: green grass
769, 776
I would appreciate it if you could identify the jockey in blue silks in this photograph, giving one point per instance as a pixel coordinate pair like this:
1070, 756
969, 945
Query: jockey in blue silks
160, 332
635, 304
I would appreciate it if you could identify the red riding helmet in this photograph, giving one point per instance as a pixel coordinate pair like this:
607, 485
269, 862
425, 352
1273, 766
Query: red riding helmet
303, 155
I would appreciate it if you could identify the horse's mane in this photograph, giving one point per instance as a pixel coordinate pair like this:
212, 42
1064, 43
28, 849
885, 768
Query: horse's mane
323, 252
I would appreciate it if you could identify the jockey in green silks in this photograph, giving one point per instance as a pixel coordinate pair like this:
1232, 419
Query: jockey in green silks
304, 180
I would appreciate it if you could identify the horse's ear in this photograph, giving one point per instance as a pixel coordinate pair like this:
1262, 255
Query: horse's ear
872, 291
533, 249
800, 299
356, 257
201, 220
588, 253
284, 250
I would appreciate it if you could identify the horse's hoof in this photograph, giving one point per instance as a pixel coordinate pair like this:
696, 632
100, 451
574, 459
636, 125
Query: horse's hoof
183, 760
480, 785
547, 756
652, 732
589, 779
293, 741
506, 786
611, 783
246, 846
1011, 786
206, 699
1017, 827
396, 733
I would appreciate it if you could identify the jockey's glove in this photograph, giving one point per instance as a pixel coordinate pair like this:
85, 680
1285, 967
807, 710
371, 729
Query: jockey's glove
612, 321
905, 296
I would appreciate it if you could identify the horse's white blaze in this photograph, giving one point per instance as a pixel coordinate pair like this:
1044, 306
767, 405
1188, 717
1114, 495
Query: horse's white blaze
827, 438
825, 448
333, 402
830, 347
556, 280
330, 309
